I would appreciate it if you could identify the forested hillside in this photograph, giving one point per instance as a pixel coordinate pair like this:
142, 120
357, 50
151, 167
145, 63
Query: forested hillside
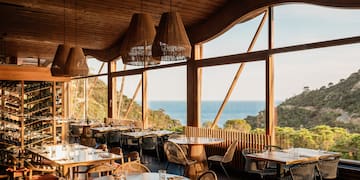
97, 106
336, 105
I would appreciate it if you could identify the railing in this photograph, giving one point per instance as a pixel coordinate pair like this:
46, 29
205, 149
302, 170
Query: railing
246, 140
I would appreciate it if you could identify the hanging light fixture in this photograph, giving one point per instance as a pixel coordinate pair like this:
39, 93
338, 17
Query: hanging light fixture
76, 64
136, 47
171, 41
2, 50
61, 55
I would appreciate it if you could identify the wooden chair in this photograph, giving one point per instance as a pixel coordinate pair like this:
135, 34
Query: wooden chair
328, 167
176, 155
118, 151
75, 134
132, 168
90, 142
207, 175
256, 166
226, 158
38, 170
133, 156
100, 170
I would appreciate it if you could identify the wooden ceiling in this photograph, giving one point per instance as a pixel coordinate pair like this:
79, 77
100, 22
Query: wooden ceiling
34, 28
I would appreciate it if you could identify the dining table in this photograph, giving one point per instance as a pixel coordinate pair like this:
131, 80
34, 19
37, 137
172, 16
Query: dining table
292, 156
197, 151
140, 134
144, 176
106, 130
68, 156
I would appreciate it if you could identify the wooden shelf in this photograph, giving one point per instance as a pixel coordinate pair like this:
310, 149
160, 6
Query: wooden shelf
36, 90
32, 112
38, 100
40, 130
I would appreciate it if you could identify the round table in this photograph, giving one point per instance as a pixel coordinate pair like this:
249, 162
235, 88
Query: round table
144, 176
197, 151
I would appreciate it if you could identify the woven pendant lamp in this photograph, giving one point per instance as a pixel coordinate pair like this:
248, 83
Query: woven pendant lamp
61, 55
136, 47
171, 41
76, 63
58, 64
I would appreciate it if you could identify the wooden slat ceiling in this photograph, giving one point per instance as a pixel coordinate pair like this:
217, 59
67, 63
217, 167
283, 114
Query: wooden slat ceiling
34, 28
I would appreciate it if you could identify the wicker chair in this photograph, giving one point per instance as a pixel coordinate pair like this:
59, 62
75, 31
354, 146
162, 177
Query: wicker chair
176, 155
207, 175
226, 158
99, 169
255, 166
303, 171
131, 168
184, 147
149, 143
328, 167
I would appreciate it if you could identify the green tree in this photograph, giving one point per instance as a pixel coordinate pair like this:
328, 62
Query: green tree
237, 125
207, 124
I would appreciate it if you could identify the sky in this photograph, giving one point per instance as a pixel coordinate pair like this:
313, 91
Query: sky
293, 24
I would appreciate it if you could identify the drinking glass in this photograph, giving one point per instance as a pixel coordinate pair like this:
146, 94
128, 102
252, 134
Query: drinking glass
162, 174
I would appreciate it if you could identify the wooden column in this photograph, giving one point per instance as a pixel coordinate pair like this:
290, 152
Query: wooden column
111, 91
144, 101
194, 88
269, 113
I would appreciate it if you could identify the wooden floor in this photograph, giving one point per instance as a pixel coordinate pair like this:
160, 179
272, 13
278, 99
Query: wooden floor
235, 174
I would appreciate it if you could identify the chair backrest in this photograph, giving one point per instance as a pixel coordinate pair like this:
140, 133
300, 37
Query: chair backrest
229, 155
174, 153
99, 169
328, 167
133, 156
132, 168
91, 142
207, 175
116, 150
149, 142
303, 171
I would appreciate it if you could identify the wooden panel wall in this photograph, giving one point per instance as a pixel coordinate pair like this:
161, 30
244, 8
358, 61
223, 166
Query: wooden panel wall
246, 140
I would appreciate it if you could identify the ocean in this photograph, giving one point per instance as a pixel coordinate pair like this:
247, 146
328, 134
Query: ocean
209, 109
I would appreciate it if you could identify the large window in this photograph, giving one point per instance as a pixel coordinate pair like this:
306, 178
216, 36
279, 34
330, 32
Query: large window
318, 88
88, 97
167, 98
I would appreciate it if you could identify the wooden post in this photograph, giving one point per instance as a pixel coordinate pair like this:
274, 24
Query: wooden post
194, 88
111, 85
269, 112
144, 101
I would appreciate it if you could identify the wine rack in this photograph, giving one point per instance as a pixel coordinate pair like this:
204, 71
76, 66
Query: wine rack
28, 109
